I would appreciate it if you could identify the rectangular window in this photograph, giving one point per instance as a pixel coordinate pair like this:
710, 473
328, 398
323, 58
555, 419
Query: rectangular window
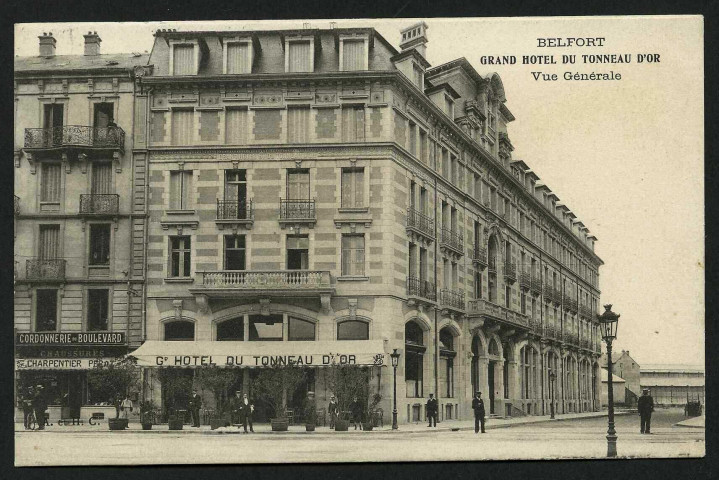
300, 330
51, 174
235, 252
49, 244
412, 260
98, 309
182, 127
418, 76
446, 168
413, 138
353, 55
183, 60
507, 296
353, 124
414, 373
422, 264
423, 146
299, 59
353, 187
238, 58
449, 106
477, 284
236, 126
99, 245
180, 256
298, 247
298, 125
45, 310
298, 184
266, 328
53, 117
101, 178
180, 182
353, 255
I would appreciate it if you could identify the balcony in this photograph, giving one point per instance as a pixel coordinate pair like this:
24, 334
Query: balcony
45, 270
525, 280
569, 303
510, 272
480, 307
551, 333
419, 289
234, 213
536, 285
75, 137
586, 311
452, 300
479, 256
535, 326
451, 241
419, 226
295, 212
99, 204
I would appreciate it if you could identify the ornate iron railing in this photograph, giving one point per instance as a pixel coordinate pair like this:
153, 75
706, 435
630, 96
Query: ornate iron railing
421, 288
480, 255
45, 269
484, 307
235, 210
525, 280
535, 325
510, 272
99, 203
75, 136
420, 222
270, 279
569, 303
452, 298
536, 284
452, 239
586, 311
297, 210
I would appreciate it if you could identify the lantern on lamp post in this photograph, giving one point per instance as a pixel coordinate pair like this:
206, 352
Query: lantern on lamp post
552, 378
395, 361
608, 322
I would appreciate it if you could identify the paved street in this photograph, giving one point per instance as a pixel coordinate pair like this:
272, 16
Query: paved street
577, 438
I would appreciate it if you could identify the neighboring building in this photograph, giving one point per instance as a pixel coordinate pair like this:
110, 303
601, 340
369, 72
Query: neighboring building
317, 191
674, 385
619, 389
76, 260
628, 369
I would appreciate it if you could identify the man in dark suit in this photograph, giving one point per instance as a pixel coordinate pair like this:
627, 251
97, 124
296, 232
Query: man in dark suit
247, 409
39, 405
356, 410
478, 407
334, 410
645, 404
195, 404
432, 409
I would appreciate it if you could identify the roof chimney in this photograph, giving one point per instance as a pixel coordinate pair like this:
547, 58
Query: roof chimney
47, 45
92, 44
415, 37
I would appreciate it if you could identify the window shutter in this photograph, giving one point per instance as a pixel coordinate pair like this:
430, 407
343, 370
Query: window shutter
238, 58
49, 237
183, 62
353, 55
299, 56
101, 178
51, 183
182, 121
236, 126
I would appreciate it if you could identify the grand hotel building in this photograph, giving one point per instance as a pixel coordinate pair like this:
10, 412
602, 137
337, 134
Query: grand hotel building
319, 191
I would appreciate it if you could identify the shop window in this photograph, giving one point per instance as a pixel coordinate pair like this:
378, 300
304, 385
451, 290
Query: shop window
353, 330
265, 328
180, 256
353, 187
300, 330
99, 245
231, 330
234, 252
98, 309
353, 254
45, 310
180, 330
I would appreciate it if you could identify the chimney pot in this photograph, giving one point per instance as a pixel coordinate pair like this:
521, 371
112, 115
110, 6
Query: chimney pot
47, 45
92, 44
415, 37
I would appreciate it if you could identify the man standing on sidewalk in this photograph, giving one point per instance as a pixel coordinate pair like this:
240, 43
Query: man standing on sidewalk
39, 405
333, 410
195, 404
478, 407
645, 404
432, 410
247, 409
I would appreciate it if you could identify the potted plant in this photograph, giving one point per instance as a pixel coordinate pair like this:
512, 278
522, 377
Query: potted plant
370, 421
218, 381
176, 388
270, 387
347, 382
112, 380
147, 414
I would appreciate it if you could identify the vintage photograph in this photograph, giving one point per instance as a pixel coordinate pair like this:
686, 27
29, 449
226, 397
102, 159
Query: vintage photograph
321, 241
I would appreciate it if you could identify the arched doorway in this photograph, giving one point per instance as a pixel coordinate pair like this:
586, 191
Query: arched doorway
493, 351
474, 369
414, 360
447, 353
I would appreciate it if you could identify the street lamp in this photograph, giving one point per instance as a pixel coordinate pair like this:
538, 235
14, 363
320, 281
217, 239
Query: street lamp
552, 378
395, 361
608, 323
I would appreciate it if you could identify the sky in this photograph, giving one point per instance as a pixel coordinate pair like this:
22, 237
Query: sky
625, 155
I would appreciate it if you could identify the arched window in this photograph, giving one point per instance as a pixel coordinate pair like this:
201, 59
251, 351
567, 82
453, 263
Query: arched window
474, 373
353, 330
231, 330
179, 330
301, 330
446, 362
414, 359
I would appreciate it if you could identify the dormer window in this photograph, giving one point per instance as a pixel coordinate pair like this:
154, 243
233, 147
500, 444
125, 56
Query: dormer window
184, 57
299, 55
418, 75
353, 54
449, 106
237, 56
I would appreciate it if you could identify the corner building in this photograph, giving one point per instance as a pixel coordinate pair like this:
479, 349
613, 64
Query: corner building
310, 187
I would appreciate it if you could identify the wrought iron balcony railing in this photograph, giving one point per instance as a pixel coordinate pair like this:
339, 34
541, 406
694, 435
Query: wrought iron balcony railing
297, 210
569, 303
452, 240
536, 284
45, 269
452, 298
586, 311
235, 210
535, 325
420, 222
421, 288
75, 136
510, 272
99, 204
480, 306
479, 256
267, 280
525, 280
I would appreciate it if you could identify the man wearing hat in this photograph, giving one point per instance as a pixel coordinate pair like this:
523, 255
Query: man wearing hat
236, 408
247, 409
334, 410
39, 405
645, 405
195, 404
478, 407
432, 409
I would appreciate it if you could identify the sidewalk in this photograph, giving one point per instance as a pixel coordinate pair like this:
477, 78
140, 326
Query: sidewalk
264, 428
693, 422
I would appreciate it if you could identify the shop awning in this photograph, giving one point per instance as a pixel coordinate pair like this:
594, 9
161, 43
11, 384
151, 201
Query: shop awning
260, 354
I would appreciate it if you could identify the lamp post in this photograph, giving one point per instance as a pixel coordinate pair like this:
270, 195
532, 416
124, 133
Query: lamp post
608, 322
552, 378
395, 361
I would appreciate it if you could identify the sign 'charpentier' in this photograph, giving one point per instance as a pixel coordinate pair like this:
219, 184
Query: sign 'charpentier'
70, 338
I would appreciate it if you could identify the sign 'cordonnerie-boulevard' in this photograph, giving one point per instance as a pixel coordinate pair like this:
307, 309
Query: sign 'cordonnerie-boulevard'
70, 338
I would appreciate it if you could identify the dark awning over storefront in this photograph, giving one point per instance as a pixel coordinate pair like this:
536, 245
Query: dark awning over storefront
260, 354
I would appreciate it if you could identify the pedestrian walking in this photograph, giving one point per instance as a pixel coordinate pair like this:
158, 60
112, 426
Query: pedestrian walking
125, 408
432, 409
247, 408
645, 405
356, 411
195, 404
26, 404
478, 407
39, 405
333, 410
